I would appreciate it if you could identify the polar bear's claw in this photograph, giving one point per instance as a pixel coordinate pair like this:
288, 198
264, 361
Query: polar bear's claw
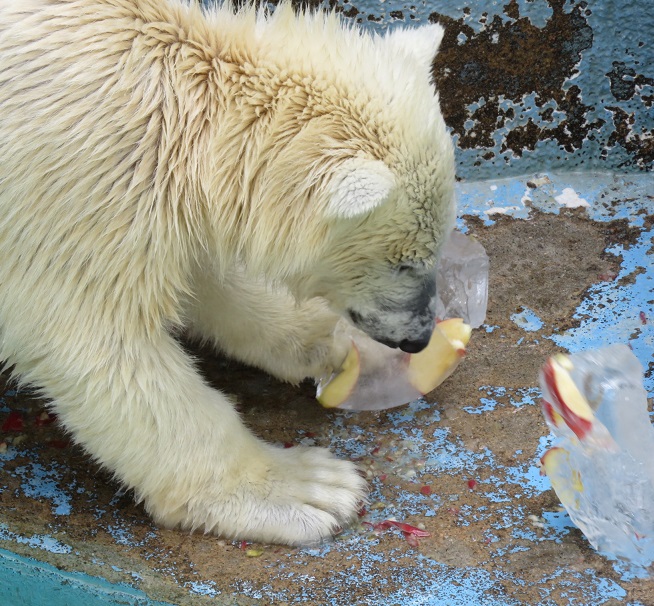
306, 495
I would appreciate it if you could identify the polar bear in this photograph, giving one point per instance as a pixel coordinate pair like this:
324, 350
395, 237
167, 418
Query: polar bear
244, 176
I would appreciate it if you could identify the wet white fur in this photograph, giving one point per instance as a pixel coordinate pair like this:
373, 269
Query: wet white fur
161, 167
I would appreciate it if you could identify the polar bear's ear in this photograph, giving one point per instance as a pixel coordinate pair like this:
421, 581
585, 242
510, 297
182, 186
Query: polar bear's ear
358, 186
420, 43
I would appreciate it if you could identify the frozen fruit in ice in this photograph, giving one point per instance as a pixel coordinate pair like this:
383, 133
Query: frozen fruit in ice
551, 415
565, 398
605, 480
447, 346
462, 280
338, 388
565, 480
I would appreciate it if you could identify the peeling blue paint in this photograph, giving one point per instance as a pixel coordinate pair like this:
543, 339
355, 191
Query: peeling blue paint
611, 313
495, 395
207, 588
39, 482
601, 589
44, 542
527, 320
620, 314
610, 196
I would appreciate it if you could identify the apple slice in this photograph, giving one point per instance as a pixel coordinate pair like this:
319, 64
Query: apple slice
447, 346
338, 388
565, 397
551, 415
565, 480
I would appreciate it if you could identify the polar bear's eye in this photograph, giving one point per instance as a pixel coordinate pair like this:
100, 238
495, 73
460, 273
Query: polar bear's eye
404, 269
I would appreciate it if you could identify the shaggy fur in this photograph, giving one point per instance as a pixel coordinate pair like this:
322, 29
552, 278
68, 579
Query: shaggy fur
240, 176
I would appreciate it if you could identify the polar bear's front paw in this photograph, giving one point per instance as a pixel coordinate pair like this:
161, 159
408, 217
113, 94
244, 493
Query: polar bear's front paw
320, 356
308, 347
295, 496
308, 495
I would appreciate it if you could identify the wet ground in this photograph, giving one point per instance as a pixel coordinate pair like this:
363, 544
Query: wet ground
571, 268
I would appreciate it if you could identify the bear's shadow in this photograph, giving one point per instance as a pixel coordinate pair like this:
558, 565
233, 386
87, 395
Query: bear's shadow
274, 410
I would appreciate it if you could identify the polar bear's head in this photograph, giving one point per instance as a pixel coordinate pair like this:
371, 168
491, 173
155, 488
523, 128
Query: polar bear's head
388, 224
350, 176
388, 197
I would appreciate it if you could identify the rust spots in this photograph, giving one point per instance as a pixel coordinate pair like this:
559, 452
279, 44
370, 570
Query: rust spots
639, 147
522, 138
508, 60
554, 86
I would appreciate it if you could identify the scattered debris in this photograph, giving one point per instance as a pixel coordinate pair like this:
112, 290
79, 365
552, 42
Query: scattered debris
410, 533
254, 552
45, 418
14, 422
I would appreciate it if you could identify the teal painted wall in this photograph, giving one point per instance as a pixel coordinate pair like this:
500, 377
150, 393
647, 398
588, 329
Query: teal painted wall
27, 582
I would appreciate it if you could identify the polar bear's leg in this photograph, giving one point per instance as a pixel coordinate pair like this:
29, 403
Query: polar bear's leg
266, 328
141, 409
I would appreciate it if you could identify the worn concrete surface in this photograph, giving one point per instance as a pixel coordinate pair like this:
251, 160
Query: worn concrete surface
571, 268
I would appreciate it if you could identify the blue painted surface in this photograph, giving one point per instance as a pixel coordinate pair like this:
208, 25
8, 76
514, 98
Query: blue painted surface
527, 320
622, 313
28, 582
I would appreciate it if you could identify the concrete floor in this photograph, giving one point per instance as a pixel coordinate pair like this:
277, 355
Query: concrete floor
571, 268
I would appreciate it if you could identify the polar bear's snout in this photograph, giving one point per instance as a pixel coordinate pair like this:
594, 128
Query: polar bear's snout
398, 329
406, 325
416, 345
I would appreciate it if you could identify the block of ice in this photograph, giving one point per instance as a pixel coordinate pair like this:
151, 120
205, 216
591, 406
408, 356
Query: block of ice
462, 287
601, 464
383, 381
462, 280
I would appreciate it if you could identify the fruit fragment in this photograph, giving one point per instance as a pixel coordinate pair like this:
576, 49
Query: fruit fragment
565, 480
402, 526
14, 422
565, 397
551, 415
447, 346
253, 552
338, 389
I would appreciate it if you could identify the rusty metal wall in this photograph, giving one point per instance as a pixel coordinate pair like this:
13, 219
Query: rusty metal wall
531, 85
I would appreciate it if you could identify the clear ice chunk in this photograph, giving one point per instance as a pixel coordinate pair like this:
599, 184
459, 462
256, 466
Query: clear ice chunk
603, 472
462, 287
383, 381
462, 280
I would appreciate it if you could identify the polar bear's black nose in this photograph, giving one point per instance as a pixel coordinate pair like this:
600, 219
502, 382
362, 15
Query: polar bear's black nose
415, 345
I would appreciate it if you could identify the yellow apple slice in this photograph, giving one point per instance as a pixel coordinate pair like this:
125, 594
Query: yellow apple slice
339, 387
551, 415
565, 480
447, 346
566, 398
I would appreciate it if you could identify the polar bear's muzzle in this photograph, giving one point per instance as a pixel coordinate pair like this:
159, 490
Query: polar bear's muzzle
408, 328
399, 330
415, 345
